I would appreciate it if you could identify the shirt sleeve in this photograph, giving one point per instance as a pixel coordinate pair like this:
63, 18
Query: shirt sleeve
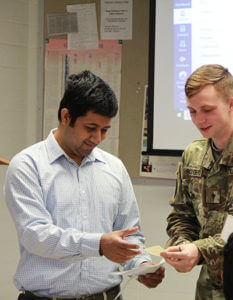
183, 226
128, 217
37, 232
182, 222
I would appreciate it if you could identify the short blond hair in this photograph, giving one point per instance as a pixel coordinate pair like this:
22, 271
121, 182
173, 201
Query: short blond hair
216, 75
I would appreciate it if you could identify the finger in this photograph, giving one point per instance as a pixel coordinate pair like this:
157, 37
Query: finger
178, 265
176, 255
149, 283
127, 257
127, 245
155, 275
128, 231
171, 249
129, 254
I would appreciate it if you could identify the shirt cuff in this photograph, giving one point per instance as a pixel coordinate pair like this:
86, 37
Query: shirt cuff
90, 244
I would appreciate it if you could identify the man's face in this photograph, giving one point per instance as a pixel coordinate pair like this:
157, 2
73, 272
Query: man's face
88, 131
211, 114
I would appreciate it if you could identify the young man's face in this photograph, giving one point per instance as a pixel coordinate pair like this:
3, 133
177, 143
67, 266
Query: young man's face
211, 114
88, 131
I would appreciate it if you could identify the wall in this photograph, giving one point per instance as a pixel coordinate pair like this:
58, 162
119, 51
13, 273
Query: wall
21, 65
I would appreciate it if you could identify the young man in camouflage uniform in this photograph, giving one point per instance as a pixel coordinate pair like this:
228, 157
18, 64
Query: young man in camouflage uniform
204, 192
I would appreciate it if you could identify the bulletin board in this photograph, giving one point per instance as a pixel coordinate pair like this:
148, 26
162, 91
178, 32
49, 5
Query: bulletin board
134, 79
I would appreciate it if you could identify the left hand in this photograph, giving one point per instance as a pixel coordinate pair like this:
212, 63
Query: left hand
182, 257
151, 280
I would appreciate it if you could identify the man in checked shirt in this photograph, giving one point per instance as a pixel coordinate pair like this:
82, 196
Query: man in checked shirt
73, 204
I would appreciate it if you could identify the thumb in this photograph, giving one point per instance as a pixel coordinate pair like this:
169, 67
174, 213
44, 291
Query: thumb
128, 231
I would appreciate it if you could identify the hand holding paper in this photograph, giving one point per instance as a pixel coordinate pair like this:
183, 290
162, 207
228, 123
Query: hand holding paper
149, 274
183, 258
152, 277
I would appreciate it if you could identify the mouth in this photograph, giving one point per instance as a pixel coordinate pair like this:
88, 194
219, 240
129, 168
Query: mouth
90, 145
204, 129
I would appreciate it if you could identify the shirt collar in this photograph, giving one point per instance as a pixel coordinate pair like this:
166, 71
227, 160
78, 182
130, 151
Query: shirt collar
55, 151
95, 155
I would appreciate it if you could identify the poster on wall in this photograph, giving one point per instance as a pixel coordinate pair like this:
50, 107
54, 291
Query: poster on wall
105, 62
116, 19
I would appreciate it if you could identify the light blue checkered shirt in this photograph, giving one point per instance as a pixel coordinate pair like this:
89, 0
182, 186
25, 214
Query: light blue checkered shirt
60, 212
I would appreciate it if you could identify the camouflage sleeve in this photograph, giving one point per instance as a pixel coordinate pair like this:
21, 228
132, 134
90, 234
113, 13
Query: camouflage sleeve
182, 222
183, 226
211, 249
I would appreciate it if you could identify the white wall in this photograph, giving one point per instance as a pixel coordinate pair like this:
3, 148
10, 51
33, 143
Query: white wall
20, 74
21, 66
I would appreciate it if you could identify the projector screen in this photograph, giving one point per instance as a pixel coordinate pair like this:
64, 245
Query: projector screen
184, 34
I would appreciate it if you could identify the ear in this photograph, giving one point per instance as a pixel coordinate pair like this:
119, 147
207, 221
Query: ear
65, 116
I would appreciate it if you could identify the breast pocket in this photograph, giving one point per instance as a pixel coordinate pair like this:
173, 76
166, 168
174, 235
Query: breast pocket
193, 191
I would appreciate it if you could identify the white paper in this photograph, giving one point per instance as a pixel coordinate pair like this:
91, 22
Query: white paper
227, 228
62, 23
141, 270
87, 35
116, 20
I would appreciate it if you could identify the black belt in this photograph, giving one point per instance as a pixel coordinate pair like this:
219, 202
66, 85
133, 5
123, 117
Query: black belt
99, 296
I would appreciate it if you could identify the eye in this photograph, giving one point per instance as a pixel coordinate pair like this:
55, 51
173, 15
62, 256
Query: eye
191, 111
90, 128
206, 110
104, 130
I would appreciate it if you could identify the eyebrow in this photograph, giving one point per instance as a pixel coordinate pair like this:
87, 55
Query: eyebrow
94, 124
203, 106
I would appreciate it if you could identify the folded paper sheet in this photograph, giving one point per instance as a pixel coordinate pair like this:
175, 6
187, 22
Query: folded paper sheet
155, 250
141, 270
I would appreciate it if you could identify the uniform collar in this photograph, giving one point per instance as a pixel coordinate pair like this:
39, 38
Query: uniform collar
227, 154
208, 158
226, 158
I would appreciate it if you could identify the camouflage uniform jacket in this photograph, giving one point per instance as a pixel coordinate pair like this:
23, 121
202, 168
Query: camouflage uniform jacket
203, 198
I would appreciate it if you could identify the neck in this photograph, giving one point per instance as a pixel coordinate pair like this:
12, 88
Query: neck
57, 134
222, 142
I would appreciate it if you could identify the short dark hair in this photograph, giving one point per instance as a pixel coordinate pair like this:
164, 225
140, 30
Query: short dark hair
228, 268
214, 74
87, 92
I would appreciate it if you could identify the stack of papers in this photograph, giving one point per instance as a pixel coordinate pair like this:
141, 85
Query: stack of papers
141, 270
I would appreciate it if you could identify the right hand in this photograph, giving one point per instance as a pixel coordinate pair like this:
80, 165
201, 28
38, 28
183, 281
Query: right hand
182, 257
115, 248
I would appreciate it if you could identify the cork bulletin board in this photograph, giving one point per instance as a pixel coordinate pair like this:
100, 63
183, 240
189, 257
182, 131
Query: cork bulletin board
134, 77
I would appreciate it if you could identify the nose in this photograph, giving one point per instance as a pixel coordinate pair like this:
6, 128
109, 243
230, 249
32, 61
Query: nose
200, 118
96, 137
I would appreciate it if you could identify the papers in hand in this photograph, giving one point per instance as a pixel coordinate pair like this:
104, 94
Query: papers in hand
155, 250
141, 270
227, 228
